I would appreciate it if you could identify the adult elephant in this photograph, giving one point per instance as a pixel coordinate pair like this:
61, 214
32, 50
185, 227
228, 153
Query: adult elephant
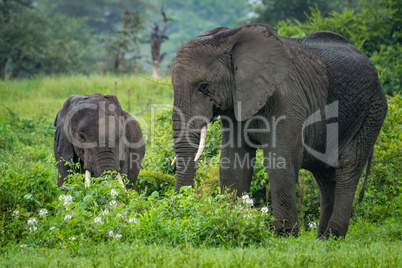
95, 132
313, 103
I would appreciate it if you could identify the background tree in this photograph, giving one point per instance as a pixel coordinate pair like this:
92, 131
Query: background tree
273, 11
156, 40
31, 43
69, 36
101, 16
192, 18
123, 45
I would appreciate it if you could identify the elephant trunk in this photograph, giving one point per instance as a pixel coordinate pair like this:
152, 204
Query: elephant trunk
185, 145
105, 161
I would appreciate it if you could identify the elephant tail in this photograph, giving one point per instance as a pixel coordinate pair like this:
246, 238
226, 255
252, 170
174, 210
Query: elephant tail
363, 189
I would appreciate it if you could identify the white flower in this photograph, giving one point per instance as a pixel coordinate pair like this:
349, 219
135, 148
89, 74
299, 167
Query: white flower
105, 212
119, 215
264, 210
52, 228
115, 236
312, 225
67, 217
43, 212
23, 245
33, 228
72, 238
98, 220
133, 220
32, 221
67, 199
16, 214
114, 193
247, 200
113, 203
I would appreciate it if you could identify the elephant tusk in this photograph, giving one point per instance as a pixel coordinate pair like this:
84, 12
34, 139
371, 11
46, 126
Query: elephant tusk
174, 161
203, 138
119, 179
87, 178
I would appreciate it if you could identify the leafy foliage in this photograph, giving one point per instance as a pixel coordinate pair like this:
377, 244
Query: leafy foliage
30, 44
100, 16
273, 11
123, 46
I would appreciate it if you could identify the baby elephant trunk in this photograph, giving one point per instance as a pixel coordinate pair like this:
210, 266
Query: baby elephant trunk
105, 161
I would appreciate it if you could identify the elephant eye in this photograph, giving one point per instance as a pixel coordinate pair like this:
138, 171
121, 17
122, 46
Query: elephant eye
81, 136
203, 87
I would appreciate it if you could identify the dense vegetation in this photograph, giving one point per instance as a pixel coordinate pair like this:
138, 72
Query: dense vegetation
105, 225
71, 36
41, 225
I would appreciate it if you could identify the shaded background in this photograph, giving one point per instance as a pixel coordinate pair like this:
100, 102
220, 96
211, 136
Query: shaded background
104, 36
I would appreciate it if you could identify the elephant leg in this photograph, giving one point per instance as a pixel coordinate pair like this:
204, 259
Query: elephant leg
237, 158
352, 159
283, 160
236, 169
61, 167
326, 184
347, 179
284, 202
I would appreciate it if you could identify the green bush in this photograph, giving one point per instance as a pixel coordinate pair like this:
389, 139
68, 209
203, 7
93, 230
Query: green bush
388, 61
105, 211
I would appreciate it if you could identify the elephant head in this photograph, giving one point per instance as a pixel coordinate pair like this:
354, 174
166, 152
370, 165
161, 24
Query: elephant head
95, 132
223, 69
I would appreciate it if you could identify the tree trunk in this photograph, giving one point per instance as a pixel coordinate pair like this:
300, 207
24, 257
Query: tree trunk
157, 37
16, 70
155, 70
2, 71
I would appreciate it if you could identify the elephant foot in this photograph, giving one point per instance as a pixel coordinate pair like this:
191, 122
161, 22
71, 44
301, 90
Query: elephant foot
285, 228
330, 233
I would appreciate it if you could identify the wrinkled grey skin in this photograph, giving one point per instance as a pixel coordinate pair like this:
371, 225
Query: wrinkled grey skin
97, 122
269, 75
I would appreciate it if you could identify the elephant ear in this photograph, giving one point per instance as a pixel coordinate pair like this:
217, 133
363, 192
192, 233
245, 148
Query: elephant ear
260, 62
63, 145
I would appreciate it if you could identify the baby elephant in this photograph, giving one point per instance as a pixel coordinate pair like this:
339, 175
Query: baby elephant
95, 132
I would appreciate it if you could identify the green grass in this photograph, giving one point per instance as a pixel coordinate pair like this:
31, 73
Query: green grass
153, 226
281, 253
44, 96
